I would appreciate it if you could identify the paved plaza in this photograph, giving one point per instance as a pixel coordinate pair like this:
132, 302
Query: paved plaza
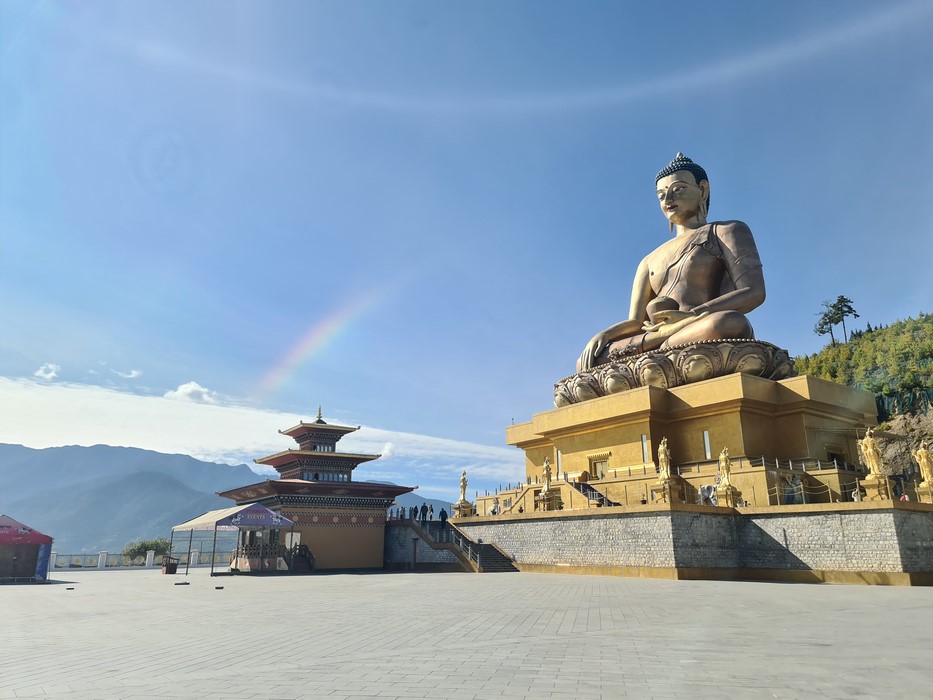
135, 634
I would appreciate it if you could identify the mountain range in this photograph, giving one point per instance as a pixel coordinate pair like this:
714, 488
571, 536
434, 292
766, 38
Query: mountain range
92, 499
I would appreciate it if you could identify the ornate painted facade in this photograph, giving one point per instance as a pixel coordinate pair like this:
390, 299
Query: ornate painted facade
341, 521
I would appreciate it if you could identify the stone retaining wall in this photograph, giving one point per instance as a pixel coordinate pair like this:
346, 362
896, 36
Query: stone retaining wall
398, 548
887, 538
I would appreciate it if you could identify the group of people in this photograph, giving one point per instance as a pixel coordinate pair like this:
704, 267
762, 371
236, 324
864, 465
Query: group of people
424, 514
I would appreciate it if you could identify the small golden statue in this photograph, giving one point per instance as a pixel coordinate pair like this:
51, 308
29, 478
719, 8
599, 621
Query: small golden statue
664, 461
726, 494
876, 483
546, 474
922, 457
463, 508
871, 453
725, 469
667, 489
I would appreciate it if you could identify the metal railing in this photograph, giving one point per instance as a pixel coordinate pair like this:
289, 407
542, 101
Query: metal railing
119, 561
467, 547
592, 494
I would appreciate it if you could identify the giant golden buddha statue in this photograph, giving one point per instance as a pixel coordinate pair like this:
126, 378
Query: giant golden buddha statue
690, 293
697, 286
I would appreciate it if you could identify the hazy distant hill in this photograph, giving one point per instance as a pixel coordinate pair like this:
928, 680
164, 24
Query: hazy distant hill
24, 470
99, 498
106, 513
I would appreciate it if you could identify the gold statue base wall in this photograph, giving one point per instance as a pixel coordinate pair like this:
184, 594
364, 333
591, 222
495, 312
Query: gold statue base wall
612, 441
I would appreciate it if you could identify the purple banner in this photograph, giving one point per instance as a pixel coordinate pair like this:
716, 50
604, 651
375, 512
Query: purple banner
255, 517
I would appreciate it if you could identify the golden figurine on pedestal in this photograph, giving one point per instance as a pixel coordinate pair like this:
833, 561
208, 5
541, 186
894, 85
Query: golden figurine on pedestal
871, 453
548, 498
726, 494
876, 483
668, 488
463, 486
922, 457
664, 461
463, 508
725, 468
546, 474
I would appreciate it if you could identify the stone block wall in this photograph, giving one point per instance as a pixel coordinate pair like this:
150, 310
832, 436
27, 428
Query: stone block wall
638, 540
915, 539
882, 538
841, 541
398, 548
704, 540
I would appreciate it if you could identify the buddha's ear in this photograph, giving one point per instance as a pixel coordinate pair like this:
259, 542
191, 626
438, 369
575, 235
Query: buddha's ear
704, 186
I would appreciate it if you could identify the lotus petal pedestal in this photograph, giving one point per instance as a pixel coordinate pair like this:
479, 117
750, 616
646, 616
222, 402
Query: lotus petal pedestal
675, 366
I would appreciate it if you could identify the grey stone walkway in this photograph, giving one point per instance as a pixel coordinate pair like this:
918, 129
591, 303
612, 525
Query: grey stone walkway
134, 634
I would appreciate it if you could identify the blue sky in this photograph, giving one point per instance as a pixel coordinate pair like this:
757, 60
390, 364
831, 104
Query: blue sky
417, 213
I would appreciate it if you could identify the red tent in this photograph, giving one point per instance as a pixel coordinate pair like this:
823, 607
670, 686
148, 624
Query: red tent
24, 552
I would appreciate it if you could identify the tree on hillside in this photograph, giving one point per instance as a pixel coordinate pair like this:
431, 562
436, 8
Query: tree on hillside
827, 320
842, 309
835, 312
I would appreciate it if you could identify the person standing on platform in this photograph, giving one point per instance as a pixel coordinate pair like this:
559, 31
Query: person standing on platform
424, 515
442, 516
431, 512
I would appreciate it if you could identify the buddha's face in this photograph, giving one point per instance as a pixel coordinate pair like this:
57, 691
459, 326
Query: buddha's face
681, 197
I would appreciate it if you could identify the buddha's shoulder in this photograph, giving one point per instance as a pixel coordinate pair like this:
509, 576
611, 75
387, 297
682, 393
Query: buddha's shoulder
731, 227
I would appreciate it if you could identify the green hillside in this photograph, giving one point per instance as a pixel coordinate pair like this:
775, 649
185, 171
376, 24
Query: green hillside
888, 360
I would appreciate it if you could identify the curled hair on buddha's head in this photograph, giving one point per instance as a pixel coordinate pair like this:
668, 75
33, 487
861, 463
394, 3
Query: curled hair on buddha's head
681, 162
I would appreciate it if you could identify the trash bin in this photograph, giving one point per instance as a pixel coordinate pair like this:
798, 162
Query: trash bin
169, 565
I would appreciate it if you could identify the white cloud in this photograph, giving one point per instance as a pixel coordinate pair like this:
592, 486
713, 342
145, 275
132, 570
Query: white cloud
193, 392
92, 415
48, 371
132, 374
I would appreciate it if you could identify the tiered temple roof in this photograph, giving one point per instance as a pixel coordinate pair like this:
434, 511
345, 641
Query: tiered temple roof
316, 473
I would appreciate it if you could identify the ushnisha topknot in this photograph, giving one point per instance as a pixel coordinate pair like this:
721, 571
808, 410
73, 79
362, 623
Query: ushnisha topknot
681, 162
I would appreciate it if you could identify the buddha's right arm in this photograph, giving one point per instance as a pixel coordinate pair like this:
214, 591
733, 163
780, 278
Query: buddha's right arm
602, 340
641, 295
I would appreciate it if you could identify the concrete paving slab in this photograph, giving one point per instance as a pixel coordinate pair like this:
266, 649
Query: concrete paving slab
135, 634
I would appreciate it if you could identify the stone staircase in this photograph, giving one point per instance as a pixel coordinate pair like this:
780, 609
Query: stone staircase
301, 561
481, 557
595, 497
491, 560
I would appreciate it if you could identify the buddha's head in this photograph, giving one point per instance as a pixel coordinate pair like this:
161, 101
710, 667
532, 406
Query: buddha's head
683, 191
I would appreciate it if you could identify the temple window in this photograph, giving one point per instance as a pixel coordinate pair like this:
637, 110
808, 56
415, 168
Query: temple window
706, 447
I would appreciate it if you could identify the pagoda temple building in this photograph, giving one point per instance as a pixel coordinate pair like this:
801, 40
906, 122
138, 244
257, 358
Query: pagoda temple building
341, 521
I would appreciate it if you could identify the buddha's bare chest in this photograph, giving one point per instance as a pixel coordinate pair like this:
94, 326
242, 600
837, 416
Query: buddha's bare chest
678, 264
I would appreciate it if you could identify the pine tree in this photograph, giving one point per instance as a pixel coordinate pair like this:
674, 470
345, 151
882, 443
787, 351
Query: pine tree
842, 308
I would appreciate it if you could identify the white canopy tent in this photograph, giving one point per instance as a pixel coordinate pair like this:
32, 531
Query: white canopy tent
253, 516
